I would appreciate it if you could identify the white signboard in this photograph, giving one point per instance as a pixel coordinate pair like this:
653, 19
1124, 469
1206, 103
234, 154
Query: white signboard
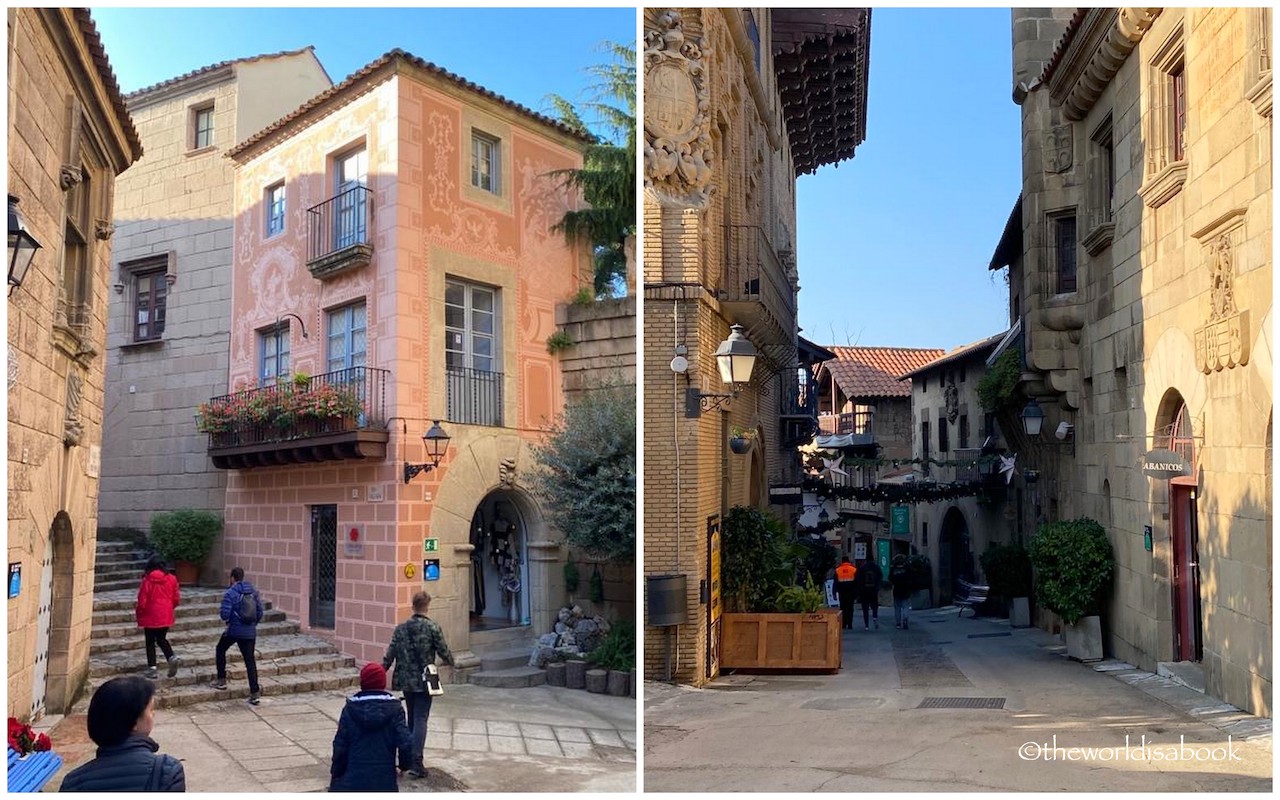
859, 551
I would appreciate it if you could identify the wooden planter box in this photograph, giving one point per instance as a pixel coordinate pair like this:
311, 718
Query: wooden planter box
781, 641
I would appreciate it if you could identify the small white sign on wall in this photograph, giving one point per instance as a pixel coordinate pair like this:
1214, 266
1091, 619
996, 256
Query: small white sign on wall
859, 551
373, 493
94, 465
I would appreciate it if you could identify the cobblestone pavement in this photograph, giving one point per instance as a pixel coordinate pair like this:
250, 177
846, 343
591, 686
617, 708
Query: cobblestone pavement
490, 740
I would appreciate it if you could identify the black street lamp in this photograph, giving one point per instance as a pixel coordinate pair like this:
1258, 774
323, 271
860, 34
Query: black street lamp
22, 246
437, 443
735, 358
1032, 418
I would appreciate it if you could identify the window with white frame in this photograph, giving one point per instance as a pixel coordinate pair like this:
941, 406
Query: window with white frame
473, 375
347, 343
274, 203
202, 127
273, 353
486, 158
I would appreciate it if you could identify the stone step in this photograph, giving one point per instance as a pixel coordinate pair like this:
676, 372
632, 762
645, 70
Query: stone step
200, 607
192, 596
515, 678
114, 546
510, 659
199, 670
199, 655
117, 630
335, 679
209, 636
111, 584
138, 557
111, 574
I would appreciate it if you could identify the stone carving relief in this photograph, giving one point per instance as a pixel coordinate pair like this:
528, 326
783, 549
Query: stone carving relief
73, 427
1058, 150
103, 229
69, 176
678, 155
952, 397
507, 473
1223, 342
470, 230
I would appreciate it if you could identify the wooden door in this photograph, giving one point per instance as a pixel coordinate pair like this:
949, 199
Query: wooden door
1183, 534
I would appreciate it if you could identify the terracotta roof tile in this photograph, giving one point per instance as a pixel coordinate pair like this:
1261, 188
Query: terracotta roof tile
875, 371
371, 69
1070, 33
214, 67
958, 353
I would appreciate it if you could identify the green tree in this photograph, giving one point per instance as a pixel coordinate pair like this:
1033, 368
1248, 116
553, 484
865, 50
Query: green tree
588, 478
607, 179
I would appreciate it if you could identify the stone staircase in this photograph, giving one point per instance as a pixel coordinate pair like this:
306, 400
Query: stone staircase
288, 661
504, 660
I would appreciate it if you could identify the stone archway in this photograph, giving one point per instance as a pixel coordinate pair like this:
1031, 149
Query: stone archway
500, 577
955, 562
59, 682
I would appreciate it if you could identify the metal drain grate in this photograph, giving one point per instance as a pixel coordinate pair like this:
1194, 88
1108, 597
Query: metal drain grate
988, 635
962, 702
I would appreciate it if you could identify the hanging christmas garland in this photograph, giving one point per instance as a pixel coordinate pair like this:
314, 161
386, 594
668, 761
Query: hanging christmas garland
895, 493
815, 462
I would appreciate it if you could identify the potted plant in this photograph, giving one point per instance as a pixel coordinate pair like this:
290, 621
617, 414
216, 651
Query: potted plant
1008, 571
1074, 564
185, 538
740, 440
617, 654
769, 622
921, 577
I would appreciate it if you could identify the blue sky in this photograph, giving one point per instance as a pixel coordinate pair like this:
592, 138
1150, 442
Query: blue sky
894, 245
513, 52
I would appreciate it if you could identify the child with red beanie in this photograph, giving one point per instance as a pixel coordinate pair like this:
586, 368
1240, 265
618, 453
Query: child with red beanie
371, 733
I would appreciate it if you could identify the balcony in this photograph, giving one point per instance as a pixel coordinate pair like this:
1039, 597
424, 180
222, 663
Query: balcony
473, 396
337, 416
974, 472
339, 233
862, 509
755, 290
858, 426
798, 409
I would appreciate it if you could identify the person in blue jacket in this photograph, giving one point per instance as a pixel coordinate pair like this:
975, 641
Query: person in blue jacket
372, 735
242, 631
121, 715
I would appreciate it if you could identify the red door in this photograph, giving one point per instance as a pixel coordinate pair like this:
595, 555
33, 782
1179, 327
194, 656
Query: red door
1186, 571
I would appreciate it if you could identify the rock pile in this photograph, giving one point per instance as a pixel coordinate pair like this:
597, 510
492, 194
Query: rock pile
574, 636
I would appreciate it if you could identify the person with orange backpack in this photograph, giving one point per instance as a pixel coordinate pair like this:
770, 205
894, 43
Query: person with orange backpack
846, 591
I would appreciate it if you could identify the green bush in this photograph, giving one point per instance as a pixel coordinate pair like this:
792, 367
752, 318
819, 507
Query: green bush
996, 388
757, 559
570, 576
1073, 567
560, 340
185, 535
817, 558
618, 648
800, 599
1008, 570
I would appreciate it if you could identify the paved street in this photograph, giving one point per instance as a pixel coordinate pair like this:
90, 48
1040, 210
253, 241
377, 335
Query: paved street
541, 739
862, 729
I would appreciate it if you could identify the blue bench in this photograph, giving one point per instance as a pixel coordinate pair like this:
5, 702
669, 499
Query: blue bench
30, 774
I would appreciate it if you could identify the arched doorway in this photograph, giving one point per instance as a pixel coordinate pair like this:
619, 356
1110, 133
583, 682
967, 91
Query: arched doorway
500, 585
954, 560
1175, 433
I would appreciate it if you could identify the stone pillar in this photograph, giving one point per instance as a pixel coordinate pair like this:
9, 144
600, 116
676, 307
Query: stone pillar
459, 612
546, 575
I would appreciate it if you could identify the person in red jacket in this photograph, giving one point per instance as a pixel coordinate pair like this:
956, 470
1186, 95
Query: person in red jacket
157, 598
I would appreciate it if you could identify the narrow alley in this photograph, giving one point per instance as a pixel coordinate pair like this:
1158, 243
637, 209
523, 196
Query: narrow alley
869, 728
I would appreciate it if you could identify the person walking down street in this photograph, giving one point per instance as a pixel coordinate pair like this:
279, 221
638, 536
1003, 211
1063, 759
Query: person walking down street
242, 611
868, 581
371, 733
158, 596
415, 643
900, 579
846, 591
121, 715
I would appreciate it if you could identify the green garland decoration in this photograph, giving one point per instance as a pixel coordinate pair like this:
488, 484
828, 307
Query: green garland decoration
896, 493
994, 458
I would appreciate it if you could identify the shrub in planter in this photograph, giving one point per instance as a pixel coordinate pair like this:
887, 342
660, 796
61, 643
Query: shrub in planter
1073, 568
187, 534
1008, 570
757, 559
800, 599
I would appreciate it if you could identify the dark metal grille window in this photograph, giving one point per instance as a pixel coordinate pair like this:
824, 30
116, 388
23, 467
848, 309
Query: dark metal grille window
942, 434
204, 127
1178, 95
150, 294
924, 446
1064, 237
964, 431
324, 565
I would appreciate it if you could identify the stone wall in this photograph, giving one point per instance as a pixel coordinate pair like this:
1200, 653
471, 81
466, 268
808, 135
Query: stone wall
604, 349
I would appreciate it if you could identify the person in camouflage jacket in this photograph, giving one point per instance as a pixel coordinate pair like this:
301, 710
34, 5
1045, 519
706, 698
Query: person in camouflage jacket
416, 643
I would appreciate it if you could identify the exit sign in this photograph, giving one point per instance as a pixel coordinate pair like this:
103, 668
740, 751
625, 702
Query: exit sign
430, 545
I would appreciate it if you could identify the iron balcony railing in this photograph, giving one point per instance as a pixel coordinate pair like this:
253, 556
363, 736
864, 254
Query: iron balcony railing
753, 272
473, 396
859, 422
972, 471
339, 223
300, 408
799, 394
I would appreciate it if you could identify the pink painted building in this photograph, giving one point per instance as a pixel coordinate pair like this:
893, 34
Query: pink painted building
394, 264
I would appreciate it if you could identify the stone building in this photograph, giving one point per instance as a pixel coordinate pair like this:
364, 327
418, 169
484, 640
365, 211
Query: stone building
69, 137
950, 425
169, 317
732, 116
1140, 286
394, 265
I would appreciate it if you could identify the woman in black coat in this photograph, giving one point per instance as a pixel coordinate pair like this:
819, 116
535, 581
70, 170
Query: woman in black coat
371, 734
121, 715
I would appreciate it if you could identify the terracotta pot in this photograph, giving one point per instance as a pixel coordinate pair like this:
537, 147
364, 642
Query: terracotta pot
188, 573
